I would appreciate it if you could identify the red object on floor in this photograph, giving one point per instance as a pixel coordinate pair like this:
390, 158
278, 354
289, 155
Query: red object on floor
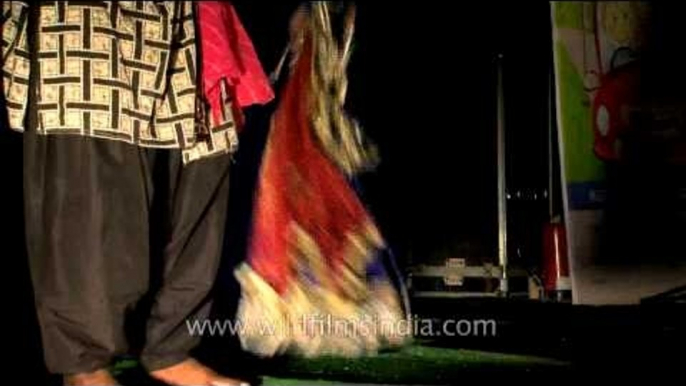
555, 261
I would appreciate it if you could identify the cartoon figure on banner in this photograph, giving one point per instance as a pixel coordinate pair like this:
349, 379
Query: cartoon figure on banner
620, 107
620, 36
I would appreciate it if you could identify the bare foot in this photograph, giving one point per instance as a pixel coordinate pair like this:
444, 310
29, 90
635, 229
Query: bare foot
96, 378
192, 373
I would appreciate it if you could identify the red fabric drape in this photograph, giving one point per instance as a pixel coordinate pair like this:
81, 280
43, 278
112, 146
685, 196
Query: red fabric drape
228, 53
299, 184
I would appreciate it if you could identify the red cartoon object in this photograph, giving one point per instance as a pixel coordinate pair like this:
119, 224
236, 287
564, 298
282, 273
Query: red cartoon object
612, 105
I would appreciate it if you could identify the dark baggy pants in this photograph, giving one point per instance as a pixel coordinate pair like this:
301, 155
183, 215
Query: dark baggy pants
94, 209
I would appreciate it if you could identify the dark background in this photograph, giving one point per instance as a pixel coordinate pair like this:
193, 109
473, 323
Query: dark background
423, 82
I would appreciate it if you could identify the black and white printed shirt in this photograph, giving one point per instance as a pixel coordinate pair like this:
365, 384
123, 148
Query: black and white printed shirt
120, 70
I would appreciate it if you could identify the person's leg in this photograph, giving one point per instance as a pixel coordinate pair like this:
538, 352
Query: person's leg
197, 206
86, 210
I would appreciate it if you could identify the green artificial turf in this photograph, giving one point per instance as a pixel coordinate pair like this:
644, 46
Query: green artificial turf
418, 365
414, 364
268, 381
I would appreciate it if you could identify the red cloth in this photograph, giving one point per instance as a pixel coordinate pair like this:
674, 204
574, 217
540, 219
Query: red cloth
299, 184
228, 53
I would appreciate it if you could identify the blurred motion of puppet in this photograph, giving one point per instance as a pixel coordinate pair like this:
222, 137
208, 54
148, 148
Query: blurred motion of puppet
313, 277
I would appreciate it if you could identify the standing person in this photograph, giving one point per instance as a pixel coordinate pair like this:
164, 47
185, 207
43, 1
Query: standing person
118, 148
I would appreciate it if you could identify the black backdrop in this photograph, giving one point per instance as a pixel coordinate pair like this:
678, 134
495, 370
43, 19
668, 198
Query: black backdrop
423, 86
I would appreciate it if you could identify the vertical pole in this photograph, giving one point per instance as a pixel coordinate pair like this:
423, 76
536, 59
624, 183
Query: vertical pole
502, 181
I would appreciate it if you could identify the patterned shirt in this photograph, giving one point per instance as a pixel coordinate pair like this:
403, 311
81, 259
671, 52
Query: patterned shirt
120, 70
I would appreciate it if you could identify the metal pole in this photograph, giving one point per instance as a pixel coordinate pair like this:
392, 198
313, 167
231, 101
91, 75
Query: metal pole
502, 181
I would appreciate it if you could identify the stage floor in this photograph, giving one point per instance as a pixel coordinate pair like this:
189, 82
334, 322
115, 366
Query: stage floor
413, 365
416, 365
